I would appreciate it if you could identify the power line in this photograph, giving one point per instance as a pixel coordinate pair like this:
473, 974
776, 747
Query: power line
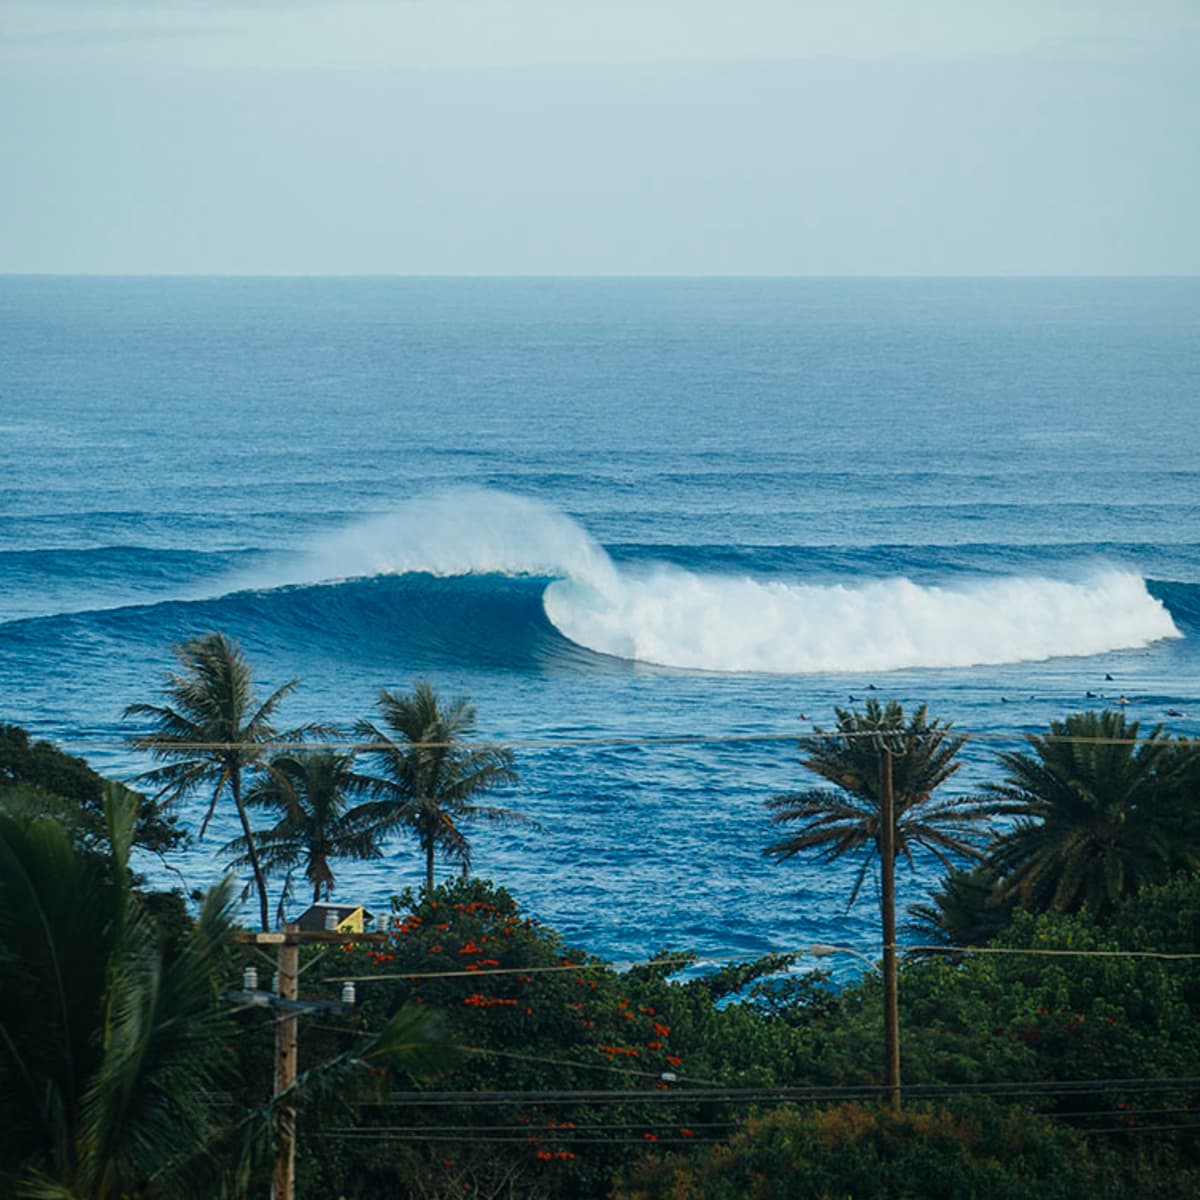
645, 1140
946, 733
820, 951
1046, 953
779, 1093
554, 1129
482, 973
588, 1066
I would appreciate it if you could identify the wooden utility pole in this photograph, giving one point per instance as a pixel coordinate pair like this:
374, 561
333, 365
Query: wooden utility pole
283, 1185
288, 1004
887, 899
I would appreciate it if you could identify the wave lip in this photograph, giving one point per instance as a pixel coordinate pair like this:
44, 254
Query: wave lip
677, 618
462, 531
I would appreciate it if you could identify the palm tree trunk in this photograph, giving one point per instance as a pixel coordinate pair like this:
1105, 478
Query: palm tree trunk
235, 782
429, 866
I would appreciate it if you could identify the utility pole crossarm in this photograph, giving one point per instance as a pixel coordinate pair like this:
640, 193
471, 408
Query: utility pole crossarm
291, 936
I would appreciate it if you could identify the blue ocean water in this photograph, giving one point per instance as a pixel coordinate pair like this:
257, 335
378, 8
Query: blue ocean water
609, 509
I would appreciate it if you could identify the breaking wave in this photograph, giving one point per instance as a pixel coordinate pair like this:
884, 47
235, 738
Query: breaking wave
692, 619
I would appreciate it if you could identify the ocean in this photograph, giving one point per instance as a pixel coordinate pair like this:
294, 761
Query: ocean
632, 512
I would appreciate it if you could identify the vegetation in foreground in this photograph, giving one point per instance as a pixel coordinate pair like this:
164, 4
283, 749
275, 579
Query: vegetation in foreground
1048, 1046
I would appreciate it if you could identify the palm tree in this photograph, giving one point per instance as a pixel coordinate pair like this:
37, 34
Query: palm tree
212, 732
308, 789
1099, 814
116, 1044
880, 762
965, 910
849, 820
111, 1045
428, 777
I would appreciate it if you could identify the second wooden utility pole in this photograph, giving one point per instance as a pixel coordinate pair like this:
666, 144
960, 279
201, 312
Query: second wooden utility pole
887, 900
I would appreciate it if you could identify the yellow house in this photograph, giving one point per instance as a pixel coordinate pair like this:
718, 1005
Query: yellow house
339, 918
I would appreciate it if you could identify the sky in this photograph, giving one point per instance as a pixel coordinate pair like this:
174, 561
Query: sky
564, 137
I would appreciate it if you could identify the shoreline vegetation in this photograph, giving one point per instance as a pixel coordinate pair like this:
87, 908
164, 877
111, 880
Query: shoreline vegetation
1047, 1028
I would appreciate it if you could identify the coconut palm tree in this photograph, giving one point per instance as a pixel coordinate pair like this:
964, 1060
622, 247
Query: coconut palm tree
849, 820
427, 777
1099, 814
212, 732
307, 789
875, 759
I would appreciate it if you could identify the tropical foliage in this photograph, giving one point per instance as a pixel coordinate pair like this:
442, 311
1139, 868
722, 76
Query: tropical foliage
53, 780
118, 1051
849, 821
1065, 986
1100, 814
965, 1149
211, 733
307, 791
112, 1044
428, 777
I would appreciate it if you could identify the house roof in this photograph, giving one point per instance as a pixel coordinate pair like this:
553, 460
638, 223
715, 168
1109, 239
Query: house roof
314, 917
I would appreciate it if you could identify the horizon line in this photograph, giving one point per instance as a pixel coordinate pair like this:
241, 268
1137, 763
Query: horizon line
615, 275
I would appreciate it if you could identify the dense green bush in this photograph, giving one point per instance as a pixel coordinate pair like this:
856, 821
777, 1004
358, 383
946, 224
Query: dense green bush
976, 1149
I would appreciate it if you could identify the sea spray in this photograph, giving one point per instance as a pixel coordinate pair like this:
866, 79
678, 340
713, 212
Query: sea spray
681, 619
464, 531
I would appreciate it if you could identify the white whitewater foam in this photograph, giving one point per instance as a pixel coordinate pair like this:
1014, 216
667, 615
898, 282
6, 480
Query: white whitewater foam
680, 619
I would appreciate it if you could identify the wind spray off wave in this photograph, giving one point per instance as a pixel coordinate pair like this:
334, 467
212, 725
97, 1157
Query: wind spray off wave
466, 531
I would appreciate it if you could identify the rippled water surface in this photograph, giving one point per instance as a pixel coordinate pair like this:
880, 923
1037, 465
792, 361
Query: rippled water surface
609, 509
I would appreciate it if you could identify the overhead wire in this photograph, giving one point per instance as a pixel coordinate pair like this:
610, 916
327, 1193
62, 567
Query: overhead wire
793, 953
950, 733
783, 1093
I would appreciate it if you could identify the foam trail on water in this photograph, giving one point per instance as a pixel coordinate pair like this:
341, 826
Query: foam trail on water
677, 618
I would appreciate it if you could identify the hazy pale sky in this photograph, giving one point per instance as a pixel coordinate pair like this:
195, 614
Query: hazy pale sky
564, 137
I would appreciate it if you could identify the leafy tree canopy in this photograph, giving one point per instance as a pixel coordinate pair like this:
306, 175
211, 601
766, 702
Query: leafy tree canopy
47, 777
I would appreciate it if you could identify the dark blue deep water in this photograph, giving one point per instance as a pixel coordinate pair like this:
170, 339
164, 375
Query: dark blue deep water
609, 509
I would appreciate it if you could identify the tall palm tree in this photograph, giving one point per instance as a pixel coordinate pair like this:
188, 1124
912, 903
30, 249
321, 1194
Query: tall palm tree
426, 775
212, 732
849, 820
307, 789
1099, 814
877, 760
